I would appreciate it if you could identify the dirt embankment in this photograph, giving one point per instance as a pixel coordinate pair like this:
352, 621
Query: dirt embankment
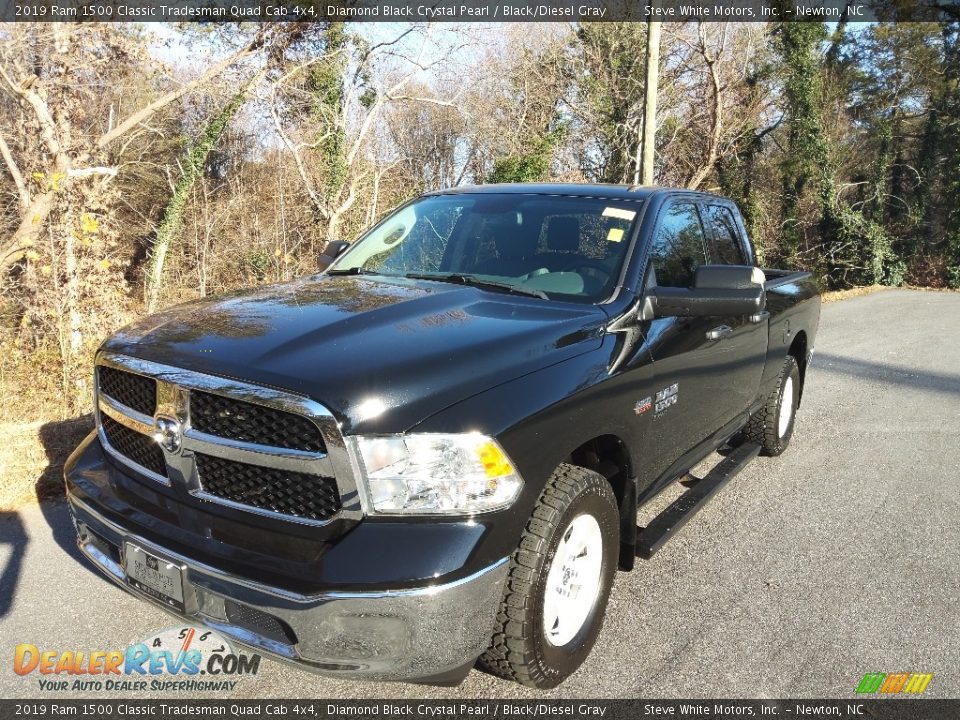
32, 457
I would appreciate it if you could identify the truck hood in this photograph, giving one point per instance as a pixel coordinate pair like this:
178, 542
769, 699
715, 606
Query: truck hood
357, 344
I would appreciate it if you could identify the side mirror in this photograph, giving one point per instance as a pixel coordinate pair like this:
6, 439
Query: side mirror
717, 290
331, 252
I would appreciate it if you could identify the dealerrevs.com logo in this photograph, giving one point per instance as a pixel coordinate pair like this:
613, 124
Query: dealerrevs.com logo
184, 659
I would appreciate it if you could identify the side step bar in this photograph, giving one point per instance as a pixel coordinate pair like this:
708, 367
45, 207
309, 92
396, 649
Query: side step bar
666, 525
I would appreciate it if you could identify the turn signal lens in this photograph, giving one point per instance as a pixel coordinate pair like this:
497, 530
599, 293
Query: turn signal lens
495, 462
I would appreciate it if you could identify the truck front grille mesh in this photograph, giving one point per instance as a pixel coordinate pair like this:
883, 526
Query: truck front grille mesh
135, 391
253, 423
311, 497
141, 449
263, 624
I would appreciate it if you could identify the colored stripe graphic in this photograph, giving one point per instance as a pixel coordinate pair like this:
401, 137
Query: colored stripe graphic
871, 682
918, 682
894, 683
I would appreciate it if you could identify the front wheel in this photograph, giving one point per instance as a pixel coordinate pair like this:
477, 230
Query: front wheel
559, 582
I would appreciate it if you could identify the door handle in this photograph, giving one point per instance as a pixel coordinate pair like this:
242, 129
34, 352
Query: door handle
760, 316
719, 332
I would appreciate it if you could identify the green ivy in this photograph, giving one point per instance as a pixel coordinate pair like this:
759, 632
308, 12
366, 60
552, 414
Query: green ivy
533, 166
193, 166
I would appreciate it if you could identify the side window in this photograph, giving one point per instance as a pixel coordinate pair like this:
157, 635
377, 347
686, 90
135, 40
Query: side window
678, 246
727, 248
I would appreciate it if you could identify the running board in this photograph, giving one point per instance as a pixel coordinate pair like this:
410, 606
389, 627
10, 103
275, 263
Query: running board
666, 525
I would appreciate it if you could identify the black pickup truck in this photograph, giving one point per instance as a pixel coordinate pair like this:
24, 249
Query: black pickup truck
431, 455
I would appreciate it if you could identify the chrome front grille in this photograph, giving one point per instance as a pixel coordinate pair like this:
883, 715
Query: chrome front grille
134, 391
238, 420
143, 450
281, 491
252, 448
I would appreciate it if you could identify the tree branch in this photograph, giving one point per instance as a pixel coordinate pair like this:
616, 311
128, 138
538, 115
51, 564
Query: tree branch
48, 128
714, 144
305, 178
90, 171
15, 173
146, 112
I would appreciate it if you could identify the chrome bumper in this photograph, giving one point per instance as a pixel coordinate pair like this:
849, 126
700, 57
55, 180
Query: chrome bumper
431, 633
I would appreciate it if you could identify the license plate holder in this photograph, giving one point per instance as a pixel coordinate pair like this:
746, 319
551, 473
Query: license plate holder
155, 576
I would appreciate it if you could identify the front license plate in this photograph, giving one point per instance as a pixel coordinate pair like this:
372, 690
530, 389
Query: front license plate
158, 578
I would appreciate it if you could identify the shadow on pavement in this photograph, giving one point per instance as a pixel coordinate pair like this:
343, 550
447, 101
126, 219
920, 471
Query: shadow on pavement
887, 373
12, 533
59, 439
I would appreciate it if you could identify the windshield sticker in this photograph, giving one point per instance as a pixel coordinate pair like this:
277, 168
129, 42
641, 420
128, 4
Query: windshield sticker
615, 235
619, 213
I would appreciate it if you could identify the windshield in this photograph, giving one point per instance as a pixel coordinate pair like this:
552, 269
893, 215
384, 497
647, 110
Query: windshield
566, 248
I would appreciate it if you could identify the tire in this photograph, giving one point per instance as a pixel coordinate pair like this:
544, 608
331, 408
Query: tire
576, 506
771, 427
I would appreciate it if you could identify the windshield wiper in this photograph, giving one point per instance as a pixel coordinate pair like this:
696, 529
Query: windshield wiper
474, 281
352, 271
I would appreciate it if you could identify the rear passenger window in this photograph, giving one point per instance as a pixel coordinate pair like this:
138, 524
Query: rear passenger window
727, 249
678, 246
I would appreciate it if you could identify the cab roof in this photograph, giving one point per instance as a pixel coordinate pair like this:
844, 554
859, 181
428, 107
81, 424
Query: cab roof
600, 190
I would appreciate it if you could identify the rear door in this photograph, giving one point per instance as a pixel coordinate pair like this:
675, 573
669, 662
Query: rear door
746, 348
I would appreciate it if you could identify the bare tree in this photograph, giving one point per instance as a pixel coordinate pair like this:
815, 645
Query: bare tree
327, 126
71, 154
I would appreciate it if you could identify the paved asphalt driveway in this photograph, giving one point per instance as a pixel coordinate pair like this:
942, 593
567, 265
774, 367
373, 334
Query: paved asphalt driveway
808, 570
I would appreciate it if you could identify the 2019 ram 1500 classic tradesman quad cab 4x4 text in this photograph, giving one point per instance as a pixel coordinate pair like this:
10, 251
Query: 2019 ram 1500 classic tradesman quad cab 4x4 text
433, 452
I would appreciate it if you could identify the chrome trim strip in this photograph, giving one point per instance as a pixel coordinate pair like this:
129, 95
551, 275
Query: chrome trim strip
202, 495
126, 416
248, 637
105, 562
173, 389
256, 454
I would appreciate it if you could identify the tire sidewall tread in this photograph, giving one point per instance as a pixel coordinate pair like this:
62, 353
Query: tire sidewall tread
763, 426
519, 649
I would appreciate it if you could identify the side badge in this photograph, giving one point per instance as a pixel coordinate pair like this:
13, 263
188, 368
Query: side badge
665, 398
643, 405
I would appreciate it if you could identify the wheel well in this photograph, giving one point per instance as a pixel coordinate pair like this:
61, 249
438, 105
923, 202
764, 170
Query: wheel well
798, 349
608, 455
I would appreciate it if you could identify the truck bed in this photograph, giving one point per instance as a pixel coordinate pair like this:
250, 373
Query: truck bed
776, 277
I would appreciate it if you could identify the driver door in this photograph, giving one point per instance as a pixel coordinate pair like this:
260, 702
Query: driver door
685, 391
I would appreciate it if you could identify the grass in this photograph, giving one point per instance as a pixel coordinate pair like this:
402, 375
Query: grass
836, 295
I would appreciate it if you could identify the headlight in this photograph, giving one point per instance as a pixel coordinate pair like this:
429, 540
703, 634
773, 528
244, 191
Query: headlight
437, 474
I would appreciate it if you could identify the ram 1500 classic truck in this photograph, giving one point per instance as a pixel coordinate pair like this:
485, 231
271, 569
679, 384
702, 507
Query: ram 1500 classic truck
431, 454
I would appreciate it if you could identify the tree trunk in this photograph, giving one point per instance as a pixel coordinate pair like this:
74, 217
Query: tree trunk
716, 132
650, 99
75, 327
32, 221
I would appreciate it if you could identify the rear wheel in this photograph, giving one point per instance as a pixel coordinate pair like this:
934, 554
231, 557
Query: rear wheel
559, 581
771, 427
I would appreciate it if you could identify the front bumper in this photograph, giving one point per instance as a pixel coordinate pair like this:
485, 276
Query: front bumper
431, 633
